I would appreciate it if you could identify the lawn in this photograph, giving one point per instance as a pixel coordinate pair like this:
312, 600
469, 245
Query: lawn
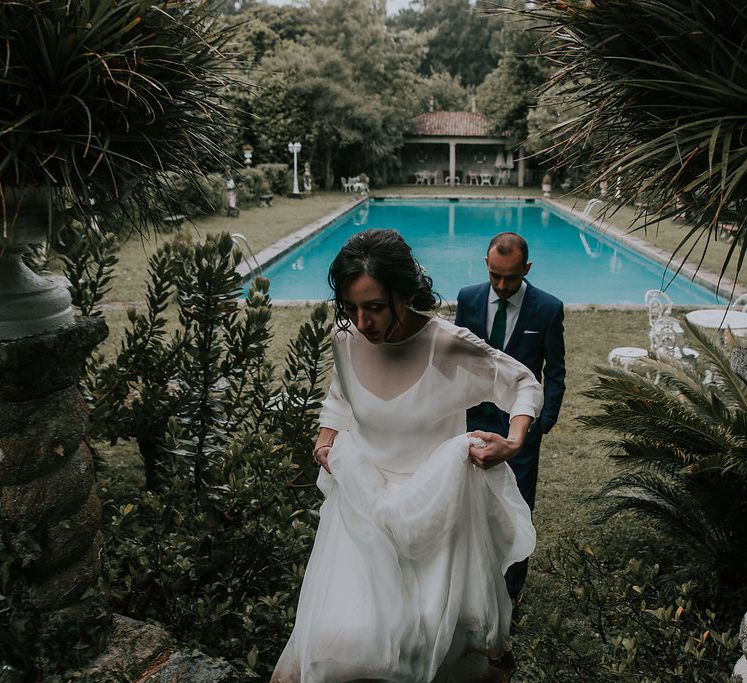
260, 226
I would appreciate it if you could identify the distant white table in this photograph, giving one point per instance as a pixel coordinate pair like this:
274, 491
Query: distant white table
625, 356
719, 319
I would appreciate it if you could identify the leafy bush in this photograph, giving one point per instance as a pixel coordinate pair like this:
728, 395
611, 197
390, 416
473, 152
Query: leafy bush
654, 84
251, 184
279, 177
681, 436
618, 619
208, 195
216, 544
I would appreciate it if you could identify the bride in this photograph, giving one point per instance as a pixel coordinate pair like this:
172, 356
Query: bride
420, 520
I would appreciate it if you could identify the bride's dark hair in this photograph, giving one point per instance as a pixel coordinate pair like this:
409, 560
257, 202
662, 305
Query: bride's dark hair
386, 257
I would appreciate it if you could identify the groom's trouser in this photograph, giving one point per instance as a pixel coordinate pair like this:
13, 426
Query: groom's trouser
525, 466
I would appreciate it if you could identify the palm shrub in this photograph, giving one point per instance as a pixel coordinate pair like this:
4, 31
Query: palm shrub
682, 445
661, 91
215, 545
98, 100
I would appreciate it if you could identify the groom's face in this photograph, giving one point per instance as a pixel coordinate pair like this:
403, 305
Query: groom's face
506, 271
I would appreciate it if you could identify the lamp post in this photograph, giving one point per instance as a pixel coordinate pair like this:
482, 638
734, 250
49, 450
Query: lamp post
294, 148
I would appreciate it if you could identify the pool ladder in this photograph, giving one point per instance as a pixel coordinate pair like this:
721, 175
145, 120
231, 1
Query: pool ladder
240, 241
589, 205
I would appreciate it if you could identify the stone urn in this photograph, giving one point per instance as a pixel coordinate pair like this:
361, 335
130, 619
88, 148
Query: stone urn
546, 185
29, 304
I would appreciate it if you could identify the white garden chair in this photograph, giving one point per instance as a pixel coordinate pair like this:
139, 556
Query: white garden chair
659, 307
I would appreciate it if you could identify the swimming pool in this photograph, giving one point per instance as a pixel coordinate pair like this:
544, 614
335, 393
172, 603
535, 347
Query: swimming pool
449, 238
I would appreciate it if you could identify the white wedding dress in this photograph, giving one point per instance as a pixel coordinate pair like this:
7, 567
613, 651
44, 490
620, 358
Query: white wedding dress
406, 574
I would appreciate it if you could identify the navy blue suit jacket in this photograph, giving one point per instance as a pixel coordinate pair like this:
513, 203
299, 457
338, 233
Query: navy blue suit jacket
536, 341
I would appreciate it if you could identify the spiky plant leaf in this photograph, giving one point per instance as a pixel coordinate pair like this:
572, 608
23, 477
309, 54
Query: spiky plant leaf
662, 91
99, 99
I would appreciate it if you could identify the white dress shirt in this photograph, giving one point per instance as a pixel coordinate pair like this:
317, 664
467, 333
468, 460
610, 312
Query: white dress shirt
512, 311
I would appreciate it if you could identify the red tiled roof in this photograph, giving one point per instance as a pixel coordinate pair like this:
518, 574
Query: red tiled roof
452, 123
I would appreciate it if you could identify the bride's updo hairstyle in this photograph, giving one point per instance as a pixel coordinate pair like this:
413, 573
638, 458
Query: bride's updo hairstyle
386, 257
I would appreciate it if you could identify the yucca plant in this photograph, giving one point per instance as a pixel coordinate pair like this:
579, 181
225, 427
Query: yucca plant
99, 98
682, 444
662, 91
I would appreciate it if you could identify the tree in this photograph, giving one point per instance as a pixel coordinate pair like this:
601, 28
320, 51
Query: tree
347, 92
441, 92
458, 36
307, 94
509, 91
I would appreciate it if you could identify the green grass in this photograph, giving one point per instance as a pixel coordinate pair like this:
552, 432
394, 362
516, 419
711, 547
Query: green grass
574, 463
261, 227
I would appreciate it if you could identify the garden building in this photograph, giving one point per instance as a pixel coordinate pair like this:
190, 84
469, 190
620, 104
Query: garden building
455, 147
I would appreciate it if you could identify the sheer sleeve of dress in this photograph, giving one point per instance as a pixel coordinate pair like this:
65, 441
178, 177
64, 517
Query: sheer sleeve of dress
486, 374
336, 412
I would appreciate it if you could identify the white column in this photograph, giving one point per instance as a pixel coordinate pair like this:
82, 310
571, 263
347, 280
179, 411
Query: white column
520, 178
452, 163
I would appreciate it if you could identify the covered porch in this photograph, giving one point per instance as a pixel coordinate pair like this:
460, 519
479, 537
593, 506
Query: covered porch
453, 148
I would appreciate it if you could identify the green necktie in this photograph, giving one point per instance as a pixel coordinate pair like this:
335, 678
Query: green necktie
498, 332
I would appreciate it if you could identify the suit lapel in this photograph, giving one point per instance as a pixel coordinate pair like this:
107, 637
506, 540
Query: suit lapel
526, 313
481, 312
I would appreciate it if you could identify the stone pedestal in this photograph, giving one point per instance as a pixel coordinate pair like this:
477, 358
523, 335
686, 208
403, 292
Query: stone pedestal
46, 472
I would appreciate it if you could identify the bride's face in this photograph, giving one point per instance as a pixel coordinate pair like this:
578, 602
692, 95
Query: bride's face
365, 302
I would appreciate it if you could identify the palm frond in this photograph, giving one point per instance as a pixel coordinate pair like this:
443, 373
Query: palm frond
662, 94
98, 100
661, 499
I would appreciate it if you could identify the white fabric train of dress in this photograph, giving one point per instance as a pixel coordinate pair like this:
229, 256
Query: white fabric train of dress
406, 574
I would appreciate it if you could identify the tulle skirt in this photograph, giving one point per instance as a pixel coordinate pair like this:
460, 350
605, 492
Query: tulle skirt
406, 573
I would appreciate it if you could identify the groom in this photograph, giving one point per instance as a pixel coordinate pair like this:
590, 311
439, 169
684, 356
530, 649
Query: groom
527, 324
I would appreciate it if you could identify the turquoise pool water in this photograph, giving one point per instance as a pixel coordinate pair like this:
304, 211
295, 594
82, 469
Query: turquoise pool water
449, 239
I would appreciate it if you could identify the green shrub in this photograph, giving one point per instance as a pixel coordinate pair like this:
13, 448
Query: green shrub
203, 194
216, 544
622, 620
279, 176
251, 184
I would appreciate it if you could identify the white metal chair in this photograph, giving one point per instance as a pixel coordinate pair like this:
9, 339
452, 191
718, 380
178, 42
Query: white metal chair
658, 303
345, 184
665, 342
659, 307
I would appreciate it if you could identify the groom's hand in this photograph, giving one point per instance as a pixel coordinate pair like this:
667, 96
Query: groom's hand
497, 449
